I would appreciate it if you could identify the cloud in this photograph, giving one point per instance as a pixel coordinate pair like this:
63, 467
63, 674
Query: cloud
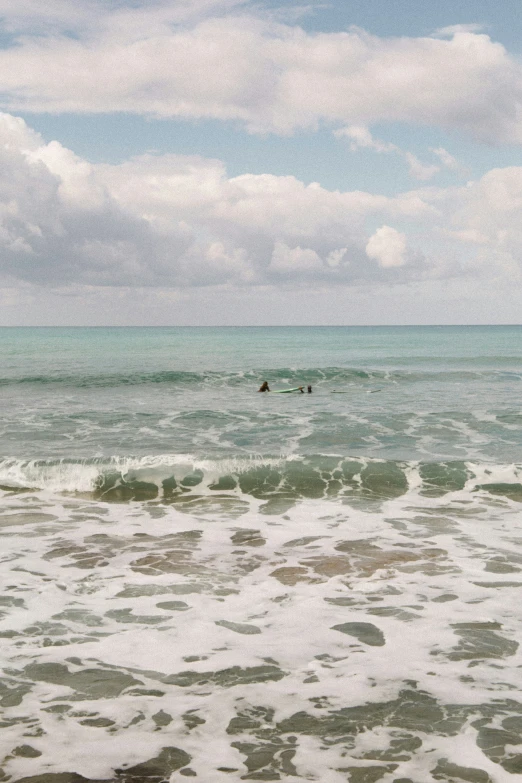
336, 257
59, 225
388, 247
361, 138
296, 260
420, 170
88, 17
175, 221
180, 222
455, 29
487, 213
447, 160
218, 60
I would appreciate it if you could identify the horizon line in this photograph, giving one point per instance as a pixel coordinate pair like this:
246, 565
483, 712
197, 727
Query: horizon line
248, 326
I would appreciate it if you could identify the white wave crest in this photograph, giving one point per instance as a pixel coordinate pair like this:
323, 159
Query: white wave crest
85, 475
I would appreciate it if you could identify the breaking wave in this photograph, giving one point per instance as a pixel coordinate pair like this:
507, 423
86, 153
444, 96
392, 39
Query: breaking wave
286, 480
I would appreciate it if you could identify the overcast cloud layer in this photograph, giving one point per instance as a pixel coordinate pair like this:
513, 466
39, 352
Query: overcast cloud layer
179, 223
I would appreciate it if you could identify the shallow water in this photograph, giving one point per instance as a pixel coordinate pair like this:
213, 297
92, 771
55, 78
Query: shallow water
200, 581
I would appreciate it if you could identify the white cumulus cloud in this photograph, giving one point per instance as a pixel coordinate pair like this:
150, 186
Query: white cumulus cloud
220, 60
172, 220
294, 260
180, 222
388, 247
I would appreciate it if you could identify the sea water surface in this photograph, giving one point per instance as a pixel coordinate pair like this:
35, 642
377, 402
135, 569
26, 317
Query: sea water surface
197, 580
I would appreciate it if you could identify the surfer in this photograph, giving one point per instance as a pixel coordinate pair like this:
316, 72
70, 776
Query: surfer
266, 388
309, 389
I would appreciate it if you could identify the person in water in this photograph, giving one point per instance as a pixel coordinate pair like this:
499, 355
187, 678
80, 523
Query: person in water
266, 388
309, 389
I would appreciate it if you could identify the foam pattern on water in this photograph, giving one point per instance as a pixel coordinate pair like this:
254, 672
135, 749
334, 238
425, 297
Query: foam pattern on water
197, 580
345, 638
278, 481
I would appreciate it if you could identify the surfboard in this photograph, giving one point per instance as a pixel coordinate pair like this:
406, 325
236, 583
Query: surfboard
284, 391
368, 391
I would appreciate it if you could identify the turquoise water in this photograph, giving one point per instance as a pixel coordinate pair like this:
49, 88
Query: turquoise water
200, 580
400, 393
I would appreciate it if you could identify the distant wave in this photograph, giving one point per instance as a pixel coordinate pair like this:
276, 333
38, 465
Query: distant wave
329, 376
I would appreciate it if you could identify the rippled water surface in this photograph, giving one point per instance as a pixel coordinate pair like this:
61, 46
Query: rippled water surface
201, 581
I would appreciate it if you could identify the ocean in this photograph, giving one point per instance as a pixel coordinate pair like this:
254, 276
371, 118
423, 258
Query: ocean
201, 581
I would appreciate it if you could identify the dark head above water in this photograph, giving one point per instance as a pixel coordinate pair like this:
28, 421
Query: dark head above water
264, 387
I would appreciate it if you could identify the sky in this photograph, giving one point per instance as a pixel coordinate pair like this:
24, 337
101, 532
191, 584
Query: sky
222, 162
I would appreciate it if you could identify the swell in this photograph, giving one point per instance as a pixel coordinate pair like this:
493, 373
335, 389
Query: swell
171, 477
330, 376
